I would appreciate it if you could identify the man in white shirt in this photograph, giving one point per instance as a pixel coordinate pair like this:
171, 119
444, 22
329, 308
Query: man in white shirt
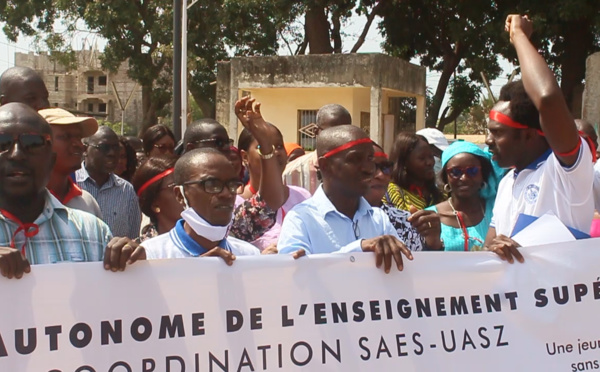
531, 130
207, 184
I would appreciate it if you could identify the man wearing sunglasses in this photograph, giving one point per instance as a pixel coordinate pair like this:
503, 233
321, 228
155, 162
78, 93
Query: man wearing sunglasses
35, 227
24, 85
115, 196
337, 218
206, 188
210, 133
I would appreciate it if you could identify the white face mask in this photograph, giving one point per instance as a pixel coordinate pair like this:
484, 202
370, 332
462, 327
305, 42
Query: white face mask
437, 166
200, 225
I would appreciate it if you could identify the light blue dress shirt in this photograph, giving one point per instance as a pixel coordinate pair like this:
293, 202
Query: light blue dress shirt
316, 226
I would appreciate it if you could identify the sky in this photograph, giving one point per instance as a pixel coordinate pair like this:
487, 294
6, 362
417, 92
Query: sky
352, 29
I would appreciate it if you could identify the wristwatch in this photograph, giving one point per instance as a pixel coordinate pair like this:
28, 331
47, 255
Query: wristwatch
263, 156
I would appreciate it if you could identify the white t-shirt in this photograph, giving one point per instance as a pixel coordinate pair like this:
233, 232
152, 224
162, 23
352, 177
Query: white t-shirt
546, 186
178, 244
597, 185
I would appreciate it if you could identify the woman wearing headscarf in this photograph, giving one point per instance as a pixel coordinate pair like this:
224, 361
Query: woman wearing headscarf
471, 184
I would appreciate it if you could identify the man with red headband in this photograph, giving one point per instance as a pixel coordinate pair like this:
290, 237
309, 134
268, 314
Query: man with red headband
337, 218
531, 130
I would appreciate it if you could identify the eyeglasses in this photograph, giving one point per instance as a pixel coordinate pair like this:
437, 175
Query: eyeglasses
29, 142
219, 143
105, 148
164, 148
385, 167
457, 172
216, 186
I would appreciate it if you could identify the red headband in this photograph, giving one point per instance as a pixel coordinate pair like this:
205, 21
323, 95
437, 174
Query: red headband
346, 146
381, 154
154, 179
505, 120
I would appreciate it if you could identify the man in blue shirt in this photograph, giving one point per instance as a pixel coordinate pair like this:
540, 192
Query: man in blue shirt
115, 196
337, 218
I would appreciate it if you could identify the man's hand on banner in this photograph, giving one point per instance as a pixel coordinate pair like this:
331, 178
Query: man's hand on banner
227, 256
507, 249
385, 247
12, 263
121, 252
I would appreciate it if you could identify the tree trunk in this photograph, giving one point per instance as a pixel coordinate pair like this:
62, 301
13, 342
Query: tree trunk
149, 117
450, 63
316, 29
578, 42
208, 108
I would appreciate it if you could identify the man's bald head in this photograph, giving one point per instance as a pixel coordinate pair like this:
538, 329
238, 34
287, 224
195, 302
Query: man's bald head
15, 113
196, 160
334, 137
24, 85
333, 115
588, 129
103, 132
201, 130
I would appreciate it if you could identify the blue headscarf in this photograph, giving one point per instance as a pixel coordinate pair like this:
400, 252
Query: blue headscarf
459, 147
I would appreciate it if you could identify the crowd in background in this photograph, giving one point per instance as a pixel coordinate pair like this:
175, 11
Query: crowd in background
71, 190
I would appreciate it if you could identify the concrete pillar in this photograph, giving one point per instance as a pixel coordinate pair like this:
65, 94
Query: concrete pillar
376, 125
421, 107
591, 95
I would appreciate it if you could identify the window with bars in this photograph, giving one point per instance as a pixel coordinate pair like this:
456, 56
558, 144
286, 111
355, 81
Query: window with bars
305, 118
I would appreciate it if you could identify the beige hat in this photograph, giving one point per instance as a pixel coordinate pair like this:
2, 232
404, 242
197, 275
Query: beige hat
58, 116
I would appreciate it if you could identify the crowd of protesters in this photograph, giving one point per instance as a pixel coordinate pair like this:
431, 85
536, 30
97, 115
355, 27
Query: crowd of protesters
71, 190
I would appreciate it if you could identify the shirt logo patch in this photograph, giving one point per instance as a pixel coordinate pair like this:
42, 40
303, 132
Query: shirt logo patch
531, 193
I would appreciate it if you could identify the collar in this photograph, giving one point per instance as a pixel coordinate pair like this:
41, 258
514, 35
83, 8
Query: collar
325, 206
73, 192
82, 175
536, 163
51, 206
185, 242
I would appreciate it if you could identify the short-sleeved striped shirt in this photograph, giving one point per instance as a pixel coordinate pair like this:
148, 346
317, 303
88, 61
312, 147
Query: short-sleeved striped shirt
118, 203
65, 234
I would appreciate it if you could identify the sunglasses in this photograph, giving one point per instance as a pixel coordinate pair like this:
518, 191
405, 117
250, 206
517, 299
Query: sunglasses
458, 172
105, 148
385, 167
220, 143
29, 142
216, 186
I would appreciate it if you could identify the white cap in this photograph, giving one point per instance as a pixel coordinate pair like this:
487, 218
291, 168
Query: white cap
434, 137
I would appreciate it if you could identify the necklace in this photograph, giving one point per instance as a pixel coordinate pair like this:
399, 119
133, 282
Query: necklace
462, 224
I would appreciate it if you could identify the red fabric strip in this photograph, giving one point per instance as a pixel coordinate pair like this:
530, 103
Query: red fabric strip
346, 146
381, 155
25, 227
505, 120
154, 179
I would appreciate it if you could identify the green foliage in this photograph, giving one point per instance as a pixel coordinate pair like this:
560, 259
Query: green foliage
128, 130
446, 36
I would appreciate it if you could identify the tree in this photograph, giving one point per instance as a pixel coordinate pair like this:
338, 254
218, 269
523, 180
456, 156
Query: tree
567, 32
447, 36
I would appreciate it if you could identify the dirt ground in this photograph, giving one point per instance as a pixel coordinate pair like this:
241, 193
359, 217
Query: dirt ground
475, 138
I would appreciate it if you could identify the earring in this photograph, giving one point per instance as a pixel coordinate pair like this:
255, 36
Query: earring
447, 188
157, 210
484, 185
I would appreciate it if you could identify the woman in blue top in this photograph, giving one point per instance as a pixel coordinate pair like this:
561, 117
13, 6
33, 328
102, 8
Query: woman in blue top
471, 183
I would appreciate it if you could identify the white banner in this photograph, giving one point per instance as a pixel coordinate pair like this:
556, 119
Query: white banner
444, 312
